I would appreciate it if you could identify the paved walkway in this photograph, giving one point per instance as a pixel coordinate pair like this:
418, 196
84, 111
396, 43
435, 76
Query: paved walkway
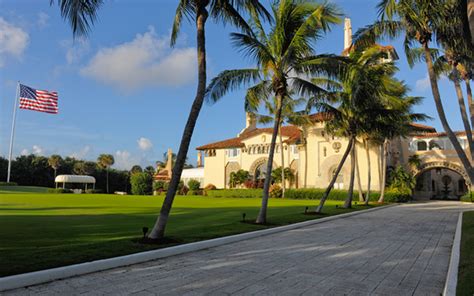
402, 250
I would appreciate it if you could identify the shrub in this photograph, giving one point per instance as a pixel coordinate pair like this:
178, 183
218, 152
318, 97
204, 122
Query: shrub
466, 198
141, 183
160, 186
94, 191
8, 184
252, 184
394, 195
196, 192
317, 193
59, 190
238, 178
275, 191
183, 190
239, 193
194, 184
210, 187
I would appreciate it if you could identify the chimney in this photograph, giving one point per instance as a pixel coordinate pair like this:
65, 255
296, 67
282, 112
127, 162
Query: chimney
199, 159
169, 162
250, 123
347, 33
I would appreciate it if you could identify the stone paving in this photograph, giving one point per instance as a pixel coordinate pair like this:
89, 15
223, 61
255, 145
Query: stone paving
401, 250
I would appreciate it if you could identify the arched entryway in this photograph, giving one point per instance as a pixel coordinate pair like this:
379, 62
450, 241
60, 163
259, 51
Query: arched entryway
440, 180
231, 167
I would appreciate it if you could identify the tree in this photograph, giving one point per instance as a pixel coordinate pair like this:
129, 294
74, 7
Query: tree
226, 11
238, 178
283, 55
105, 161
81, 14
55, 161
420, 21
142, 183
149, 170
278, 175
84, 168
136, 169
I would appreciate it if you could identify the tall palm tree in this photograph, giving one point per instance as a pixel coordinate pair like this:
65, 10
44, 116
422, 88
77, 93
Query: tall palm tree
420, 21
365, 93
283, 55
105, 161
226, 11
55, 162
81, 14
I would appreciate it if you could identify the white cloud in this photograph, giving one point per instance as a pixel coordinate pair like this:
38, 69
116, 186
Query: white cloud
43, 20
423, 84
38, 150
144, 144
25, 152
13, 40
75, 50
81, 154
144, 61
123, 160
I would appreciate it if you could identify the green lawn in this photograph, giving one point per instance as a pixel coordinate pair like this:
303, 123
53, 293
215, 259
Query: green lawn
466, 262
40, 230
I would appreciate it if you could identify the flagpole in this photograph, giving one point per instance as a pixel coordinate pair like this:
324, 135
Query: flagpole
13, 131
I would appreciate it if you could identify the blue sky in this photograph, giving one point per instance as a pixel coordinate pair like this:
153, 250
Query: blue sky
123, 91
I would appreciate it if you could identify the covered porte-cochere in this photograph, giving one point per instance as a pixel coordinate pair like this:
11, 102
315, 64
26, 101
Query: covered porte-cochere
440, 180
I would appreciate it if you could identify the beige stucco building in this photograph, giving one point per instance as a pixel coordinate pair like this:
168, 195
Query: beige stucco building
313, 155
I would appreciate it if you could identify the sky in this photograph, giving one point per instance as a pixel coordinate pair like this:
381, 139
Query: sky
124, 91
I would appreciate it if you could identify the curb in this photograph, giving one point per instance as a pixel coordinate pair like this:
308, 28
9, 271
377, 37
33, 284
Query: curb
452, 276
49, 275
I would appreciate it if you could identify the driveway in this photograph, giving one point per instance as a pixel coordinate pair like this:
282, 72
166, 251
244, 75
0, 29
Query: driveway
401, 250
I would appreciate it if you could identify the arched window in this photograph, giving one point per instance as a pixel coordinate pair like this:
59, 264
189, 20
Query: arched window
436, 145
260, 171
421, 146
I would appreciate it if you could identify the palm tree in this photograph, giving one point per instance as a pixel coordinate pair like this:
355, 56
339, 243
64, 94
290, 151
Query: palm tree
105, 161
55, 162
420, 20
199, 10
81, 14
283, 55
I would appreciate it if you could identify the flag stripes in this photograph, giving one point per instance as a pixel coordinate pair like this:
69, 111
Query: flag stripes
38, 100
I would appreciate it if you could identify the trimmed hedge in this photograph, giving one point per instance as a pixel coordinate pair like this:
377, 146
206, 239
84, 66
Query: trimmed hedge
317, 193
310, 193
8, 184
466, 198
59, 190
239, 193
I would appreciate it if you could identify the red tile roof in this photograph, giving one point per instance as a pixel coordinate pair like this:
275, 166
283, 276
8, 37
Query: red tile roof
437, 135
292, 132
424, 128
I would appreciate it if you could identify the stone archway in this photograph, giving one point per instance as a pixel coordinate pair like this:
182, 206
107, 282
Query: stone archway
294, 168
440, 180
258, 163
230, 168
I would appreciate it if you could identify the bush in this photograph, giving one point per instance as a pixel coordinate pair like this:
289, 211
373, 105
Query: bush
210, 187
94, 191
8, 184
466, 198
252, 184
196, 192
239, 193
141, 183
59, 190
275, 191
160, 186
194, 184
317, 193
183, 190
394, 195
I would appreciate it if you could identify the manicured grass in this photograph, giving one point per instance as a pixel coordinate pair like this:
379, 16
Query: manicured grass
466, 262
22, 189
40, 231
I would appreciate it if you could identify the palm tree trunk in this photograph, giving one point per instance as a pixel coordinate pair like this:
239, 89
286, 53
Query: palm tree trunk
107, 169
334, 177
158, 230
379, 166
348, 202
262, 215
369, 177
442, 116
384, 170
357, 171
469, 101
283, 185
462, 109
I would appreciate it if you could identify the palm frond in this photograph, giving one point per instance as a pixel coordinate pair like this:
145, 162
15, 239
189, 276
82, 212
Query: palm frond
230, 80
80, 14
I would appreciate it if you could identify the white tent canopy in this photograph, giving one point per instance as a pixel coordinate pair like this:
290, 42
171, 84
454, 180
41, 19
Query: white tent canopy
74, 179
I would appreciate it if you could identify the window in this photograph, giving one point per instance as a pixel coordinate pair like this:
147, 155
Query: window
421, 146
325, 151
234, 152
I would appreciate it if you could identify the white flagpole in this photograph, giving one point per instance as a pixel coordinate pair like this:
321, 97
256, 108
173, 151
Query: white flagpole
15, 106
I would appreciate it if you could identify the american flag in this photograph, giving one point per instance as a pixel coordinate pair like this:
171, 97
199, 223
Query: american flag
38, 100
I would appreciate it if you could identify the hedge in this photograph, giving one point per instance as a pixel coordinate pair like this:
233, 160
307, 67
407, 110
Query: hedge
8, 184
466, 198
240, 193
309, 193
